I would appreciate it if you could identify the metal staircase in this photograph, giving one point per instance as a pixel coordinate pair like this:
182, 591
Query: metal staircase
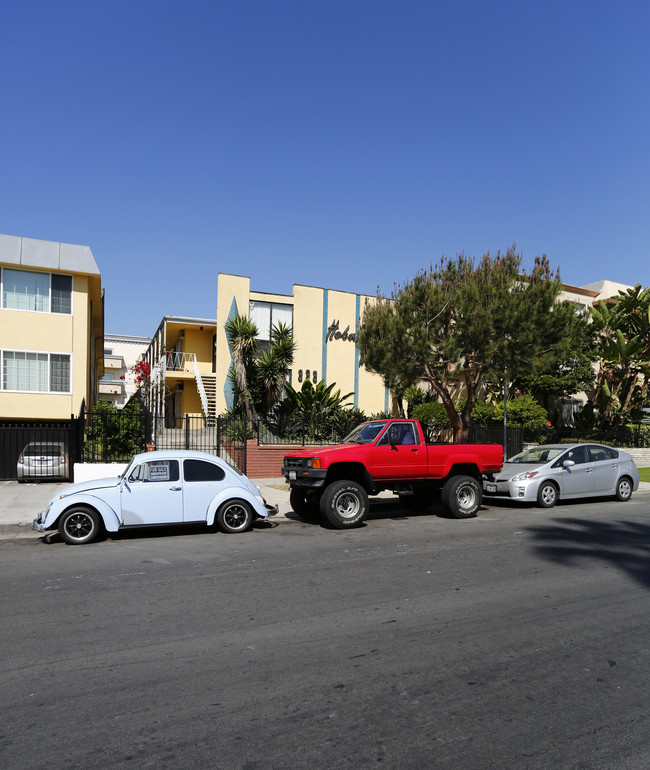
206, 383
207, 387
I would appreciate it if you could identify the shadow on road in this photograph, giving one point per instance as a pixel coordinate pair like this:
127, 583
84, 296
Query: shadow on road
621, 544
384, 508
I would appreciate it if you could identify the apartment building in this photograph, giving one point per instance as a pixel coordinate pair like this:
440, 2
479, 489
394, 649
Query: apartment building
121, 352
51, 329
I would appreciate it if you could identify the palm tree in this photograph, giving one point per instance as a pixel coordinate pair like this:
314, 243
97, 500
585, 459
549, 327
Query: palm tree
242, 338
273, 366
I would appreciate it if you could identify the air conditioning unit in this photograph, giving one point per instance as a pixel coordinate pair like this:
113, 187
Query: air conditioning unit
179, 386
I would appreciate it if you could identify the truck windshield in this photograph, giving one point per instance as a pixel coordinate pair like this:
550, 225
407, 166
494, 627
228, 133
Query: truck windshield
365, 433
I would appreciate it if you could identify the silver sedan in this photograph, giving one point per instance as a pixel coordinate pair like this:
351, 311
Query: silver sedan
546, 474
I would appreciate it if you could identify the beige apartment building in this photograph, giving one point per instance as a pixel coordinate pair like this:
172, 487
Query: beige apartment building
190, 357
51, 329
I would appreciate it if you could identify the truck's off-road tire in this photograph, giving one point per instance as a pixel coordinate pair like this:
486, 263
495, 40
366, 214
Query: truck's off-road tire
462, 497
344, 504
305, 504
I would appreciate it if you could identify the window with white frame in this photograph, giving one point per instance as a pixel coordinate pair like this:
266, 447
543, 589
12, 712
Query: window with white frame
35, 372
266, 315
40, 292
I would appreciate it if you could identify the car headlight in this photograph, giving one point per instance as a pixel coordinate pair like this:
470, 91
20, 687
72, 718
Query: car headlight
524, 476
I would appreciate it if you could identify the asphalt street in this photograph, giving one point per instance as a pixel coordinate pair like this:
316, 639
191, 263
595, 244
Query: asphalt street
518, 639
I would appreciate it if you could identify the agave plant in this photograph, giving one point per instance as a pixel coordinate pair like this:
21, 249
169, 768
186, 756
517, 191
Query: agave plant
313, 410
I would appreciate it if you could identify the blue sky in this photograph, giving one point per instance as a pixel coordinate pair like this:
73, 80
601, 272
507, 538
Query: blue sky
337, 144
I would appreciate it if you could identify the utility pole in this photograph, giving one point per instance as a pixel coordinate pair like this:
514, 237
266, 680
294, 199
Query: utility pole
505, 416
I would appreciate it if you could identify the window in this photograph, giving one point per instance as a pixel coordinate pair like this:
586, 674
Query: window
201, 470
600, 453
578, 455
40, 292
62, 294
156, 470
399, 433
35, 372
266, 315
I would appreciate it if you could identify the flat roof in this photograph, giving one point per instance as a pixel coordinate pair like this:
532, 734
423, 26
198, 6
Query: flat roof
50, 255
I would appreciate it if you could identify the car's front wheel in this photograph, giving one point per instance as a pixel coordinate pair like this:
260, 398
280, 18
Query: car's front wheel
547, 494
234, 516
79, 525
624, 489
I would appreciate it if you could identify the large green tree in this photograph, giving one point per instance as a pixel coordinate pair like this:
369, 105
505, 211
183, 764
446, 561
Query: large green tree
462, 324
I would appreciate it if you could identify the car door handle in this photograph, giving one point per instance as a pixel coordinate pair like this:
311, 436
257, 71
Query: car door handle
175, 489
415, 450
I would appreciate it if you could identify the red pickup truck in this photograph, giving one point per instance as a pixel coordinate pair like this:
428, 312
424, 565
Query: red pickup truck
335, 481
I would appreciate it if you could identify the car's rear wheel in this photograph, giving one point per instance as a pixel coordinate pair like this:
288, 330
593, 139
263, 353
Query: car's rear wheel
462, 497
234, 516
547, 494
624, 489
79, 525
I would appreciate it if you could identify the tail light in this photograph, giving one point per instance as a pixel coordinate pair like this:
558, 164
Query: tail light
62, 458
20, 459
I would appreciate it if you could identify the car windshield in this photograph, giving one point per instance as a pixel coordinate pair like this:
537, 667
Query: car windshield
365, 433
126, 471
538, 454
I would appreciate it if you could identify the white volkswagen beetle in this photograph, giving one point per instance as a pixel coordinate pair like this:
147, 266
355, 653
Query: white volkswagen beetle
161, 487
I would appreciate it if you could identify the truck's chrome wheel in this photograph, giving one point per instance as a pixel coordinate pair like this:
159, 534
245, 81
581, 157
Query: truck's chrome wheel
347, 505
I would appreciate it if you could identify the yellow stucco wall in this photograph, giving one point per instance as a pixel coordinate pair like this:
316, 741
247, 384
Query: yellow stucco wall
50, 333
333, 358
199, 342
233, 294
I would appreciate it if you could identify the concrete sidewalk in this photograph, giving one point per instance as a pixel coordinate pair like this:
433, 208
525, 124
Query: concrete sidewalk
20, 504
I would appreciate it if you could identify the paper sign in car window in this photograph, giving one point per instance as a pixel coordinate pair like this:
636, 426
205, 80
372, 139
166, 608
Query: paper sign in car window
159, 473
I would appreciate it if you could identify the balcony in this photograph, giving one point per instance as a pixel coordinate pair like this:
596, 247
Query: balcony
111, 387
114, 363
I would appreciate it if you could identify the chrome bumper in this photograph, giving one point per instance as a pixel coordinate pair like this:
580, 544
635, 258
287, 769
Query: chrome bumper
37, 526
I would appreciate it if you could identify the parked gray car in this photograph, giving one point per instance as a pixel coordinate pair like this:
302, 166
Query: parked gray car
546, 474
43, 460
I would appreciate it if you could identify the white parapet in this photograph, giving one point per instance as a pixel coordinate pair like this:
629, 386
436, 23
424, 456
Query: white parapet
91, 471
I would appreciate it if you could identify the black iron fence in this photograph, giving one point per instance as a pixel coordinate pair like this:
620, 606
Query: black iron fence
31, 451
39, 451
626, 436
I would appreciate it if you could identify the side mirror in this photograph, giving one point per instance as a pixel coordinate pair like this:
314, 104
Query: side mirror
568, 464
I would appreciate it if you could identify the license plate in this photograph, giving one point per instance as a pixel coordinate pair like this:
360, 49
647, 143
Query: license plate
490, 487
292, 475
